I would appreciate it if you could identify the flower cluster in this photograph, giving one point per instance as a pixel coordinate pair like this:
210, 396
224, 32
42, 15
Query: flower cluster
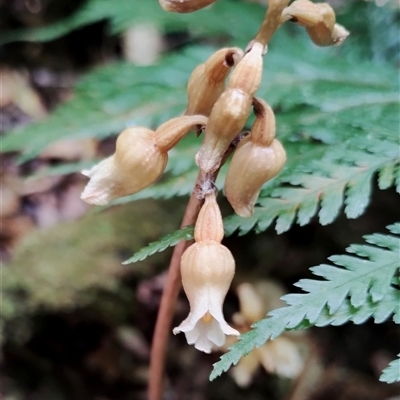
220, 99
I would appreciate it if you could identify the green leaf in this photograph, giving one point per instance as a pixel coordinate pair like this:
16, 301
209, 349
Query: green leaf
125, 14
166, 241
374, 31
354, 289
392, 372
328, 182
116, 96
109, 100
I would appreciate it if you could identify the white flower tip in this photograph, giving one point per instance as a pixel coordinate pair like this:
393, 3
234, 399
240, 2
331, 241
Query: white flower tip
244, 210
176, 330
230, 331
86, 172
96, 196
100, 189
207, 332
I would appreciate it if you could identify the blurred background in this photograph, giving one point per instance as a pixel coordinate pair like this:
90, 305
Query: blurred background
76, 323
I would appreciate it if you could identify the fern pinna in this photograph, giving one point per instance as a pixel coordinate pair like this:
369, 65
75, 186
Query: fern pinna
355, 288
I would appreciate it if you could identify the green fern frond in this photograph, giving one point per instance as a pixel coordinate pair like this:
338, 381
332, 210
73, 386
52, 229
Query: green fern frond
355, 289
160, 245
124, 14
342, 175
106, 102
392, 372
113, 97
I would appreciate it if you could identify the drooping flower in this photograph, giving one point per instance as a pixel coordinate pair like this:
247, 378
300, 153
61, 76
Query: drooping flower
136, 164
207, 269
281, 356
258, 158
319, 19
140, 158
207, 81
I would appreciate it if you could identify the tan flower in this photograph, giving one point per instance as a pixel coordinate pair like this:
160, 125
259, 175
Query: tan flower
319, 19
136, 164
280, 356
257, 159
207, 269
140, 158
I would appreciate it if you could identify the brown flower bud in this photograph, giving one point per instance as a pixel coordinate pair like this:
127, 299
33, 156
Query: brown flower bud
257, 159
248, 73
172, 131
184, 6
207, 81
136, 164
318, 19
209, 224
227, 119
231, 110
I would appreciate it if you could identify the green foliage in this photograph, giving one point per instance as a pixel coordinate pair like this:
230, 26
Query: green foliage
356, 288
160, 245
329, 108
342, 174
108, 100
392, 372
124, 14
374, 31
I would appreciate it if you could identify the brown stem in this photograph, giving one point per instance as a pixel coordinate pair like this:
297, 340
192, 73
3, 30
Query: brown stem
271, 21
173, 285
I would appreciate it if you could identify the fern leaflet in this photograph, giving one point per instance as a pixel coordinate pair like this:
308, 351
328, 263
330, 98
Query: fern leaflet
124, 14
357, 288
392, 372
166, 241
341, 175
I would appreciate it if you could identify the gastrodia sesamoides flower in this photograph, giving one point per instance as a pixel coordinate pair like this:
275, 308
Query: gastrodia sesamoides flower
207, 269
140, 158
258, 158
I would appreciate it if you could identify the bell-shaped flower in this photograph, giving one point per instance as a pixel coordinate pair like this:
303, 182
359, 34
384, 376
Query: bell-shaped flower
207, 81
140, 158
258, 158
136, 164
207, 269
281, 356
